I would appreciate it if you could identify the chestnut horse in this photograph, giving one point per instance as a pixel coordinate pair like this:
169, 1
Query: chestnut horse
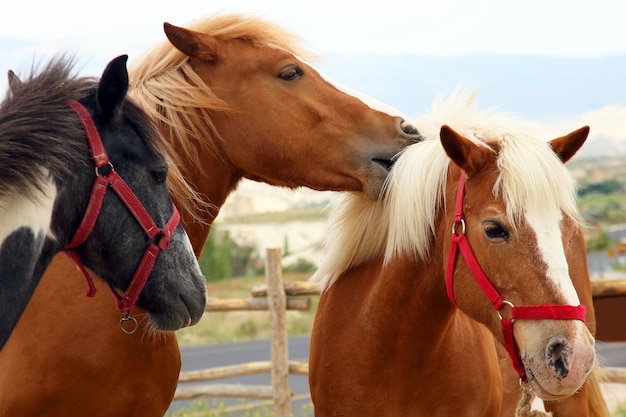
63, 139
409, 313
234, 99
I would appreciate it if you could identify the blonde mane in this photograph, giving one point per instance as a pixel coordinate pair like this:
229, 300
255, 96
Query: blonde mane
532, 179
177, 99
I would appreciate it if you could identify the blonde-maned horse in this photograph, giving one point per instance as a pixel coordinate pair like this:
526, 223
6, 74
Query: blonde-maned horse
476, 240
234, 99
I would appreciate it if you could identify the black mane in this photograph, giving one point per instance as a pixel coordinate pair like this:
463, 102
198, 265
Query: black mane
41, 136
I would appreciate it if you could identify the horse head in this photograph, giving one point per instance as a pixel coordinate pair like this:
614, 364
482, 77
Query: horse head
55, 128
516, 229
148, 260
269, 115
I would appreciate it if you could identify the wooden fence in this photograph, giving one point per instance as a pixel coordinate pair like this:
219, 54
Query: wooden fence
273, 296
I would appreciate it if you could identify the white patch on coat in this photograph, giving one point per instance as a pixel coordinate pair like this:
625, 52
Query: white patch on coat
18, 210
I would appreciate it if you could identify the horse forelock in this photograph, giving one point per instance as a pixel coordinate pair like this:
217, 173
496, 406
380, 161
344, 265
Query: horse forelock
532, 179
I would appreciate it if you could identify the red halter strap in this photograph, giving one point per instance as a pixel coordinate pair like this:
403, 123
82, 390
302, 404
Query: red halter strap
106, 176
539, 312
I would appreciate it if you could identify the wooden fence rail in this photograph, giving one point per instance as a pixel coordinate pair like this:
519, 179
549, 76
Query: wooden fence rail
275, 300
600, 288
274, 296
252, 304
604, 288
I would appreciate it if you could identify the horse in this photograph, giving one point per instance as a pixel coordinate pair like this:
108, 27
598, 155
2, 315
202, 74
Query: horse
234, 97
473, 243
55, 130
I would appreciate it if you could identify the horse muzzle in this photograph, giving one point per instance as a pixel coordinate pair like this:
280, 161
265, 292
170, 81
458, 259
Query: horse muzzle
558, 368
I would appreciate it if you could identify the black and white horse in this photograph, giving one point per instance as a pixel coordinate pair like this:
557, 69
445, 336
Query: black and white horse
82, 170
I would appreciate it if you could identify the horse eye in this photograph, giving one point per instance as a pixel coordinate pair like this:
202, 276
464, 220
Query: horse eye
494, 230
159, 174
290, 73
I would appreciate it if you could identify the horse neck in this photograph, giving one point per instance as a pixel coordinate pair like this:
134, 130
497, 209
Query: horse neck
417, 292
34, 254
214, 182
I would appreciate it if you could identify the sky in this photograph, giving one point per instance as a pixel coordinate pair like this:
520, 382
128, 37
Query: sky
100, 30
96, 32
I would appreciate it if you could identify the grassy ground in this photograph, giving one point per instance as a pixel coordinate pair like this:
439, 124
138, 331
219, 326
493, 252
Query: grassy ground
208, 408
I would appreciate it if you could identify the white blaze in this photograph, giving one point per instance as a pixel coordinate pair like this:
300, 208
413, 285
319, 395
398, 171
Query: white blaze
550, 247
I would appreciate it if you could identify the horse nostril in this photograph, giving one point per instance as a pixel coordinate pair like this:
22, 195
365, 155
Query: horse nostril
557, 355
408, 128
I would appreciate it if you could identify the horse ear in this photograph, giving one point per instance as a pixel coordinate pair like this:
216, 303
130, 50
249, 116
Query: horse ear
567, 146
14, 81
462, 151
113, 86
194, 44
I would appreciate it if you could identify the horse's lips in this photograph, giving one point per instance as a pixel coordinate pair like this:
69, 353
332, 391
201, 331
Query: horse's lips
541, 392
385, 163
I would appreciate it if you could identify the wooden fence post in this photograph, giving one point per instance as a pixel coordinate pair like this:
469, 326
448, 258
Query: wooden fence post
277, 301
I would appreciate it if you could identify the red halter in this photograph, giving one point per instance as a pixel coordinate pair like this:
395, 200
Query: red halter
539, 312
107, 176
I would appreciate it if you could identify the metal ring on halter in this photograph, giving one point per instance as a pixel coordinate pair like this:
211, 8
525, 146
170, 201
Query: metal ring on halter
110, 168
510, 304
462, 227
523, 384
131, 319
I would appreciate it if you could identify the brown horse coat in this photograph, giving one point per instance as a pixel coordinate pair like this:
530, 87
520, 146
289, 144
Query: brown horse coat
233, 100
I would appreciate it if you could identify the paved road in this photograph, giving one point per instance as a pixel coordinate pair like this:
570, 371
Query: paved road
209, 356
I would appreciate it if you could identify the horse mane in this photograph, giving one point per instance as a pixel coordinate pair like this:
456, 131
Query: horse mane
532, 179
165, 85
35, 115
35, 124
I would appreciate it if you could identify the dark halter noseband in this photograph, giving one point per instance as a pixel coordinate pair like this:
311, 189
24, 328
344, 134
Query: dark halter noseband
538, 312
159, 238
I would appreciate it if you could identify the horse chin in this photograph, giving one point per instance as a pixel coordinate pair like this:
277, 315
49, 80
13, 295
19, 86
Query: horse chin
167, 322
186, 313
543, 394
